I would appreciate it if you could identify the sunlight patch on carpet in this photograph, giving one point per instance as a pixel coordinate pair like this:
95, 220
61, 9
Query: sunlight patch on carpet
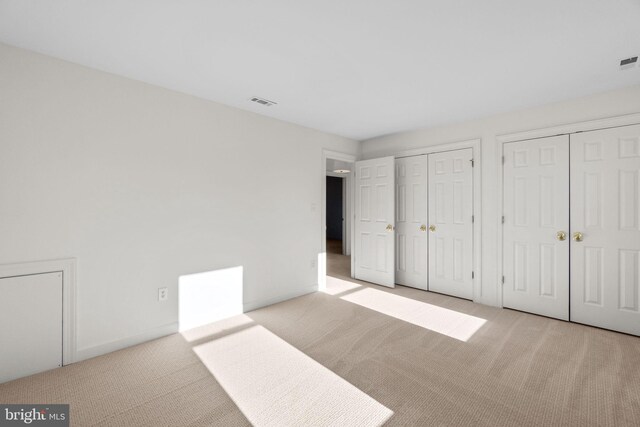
275, 384
336, 286
451, 323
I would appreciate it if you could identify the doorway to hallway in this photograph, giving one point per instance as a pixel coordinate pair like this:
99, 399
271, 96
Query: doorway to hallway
337, 218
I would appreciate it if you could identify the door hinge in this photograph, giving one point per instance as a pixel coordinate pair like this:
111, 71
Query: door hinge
473, 274
503, 280
503, 161
473, 163
473, 219
503, 219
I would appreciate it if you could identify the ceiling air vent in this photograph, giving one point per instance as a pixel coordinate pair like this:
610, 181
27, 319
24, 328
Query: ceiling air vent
628, 63
263, 101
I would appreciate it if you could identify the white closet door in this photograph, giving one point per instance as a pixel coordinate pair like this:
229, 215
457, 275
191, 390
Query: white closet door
605, 210
411, 220
374, 257
450, 182
536, 226
31, 319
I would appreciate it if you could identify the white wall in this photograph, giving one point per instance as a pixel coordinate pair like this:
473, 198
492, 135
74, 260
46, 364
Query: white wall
143, 185
607, 104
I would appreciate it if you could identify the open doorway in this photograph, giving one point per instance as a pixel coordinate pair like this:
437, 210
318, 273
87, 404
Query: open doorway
337, 214
338, 256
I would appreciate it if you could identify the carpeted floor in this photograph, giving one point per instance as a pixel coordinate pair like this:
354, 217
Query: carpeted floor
358, 355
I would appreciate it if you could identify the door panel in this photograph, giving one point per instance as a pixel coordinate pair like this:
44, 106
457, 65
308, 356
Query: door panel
411, 220
450, 206
375, 242
536, 208
605, 208
31, 315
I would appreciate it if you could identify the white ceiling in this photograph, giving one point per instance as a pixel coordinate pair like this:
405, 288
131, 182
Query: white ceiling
357, 68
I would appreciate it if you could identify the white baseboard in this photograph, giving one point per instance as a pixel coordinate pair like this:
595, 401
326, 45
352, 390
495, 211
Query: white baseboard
152, 334
172, 328
250, 306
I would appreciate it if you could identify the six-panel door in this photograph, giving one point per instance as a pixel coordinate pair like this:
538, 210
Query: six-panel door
605, 226
536, 226
375, 243
411, 221
450, 207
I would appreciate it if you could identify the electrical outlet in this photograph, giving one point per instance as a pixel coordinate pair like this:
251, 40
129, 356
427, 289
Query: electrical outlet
163, 294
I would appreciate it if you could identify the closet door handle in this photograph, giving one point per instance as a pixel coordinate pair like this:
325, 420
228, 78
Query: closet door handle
578, 236
561, 235
423, 227
432, 228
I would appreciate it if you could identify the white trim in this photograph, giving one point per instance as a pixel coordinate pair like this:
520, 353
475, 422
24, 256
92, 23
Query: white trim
350, 216
250, 306
344, 157
172, 328
476, 146
337, 175
109, 347
499, 241
347, 223
585, 126
566, 129
438, 148
68, 269
336, 155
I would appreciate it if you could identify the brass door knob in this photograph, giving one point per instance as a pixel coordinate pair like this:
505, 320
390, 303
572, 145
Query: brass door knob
432, 228
423, 227
578, 236
561, 235
389, 227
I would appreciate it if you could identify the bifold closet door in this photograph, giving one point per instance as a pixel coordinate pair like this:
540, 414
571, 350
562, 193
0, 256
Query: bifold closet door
605, 226
536, 226
450, 206
411, 220
375, 200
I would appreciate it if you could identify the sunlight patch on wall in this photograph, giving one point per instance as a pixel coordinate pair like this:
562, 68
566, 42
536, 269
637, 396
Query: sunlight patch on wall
275, 384
451, 323
208, 297
337, 286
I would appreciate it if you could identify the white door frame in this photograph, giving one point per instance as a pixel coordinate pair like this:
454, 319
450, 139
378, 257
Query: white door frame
565, 129
68, 269
349, 213
475, 145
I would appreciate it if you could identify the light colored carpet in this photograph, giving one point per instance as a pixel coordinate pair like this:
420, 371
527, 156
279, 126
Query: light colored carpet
334, 356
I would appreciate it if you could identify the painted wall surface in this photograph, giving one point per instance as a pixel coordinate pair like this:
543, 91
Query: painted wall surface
334, 208
614, 103
143, 185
